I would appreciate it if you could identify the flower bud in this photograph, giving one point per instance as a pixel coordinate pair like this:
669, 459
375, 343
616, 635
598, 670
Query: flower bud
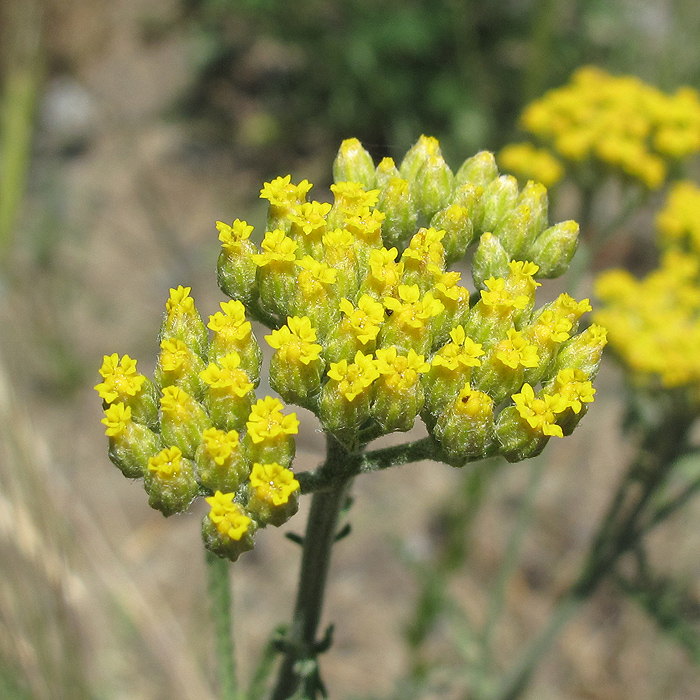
417, 155
397, 203
516, 231
534, 195
455, 300
179, 366
554, 248
283, 197
490, 260
354, 164
339, 253
424, 250
221, 463
480, 169
465, 430
277, 272
273, 494
170, 481
182, 321
131, 445
499, 199
235, 269
583, 351
576, 389
456, 222
227, 530
386, 170
433, 186
183, 420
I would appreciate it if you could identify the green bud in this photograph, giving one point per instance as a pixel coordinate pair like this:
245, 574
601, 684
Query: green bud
170, 482
397, 203
433, 186
386, 170
456, 222
296, 381
534, 195
515, 231
132, 448
584, 351
554, 248
354, 164
424, 148
518, 441
144, 406
236, 274
178, 366
228, 530
183, 322
490, 260
480, 169
499, 199
183, 420
465, 429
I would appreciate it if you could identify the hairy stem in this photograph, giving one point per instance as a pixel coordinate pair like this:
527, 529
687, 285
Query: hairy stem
220, 596
301, 644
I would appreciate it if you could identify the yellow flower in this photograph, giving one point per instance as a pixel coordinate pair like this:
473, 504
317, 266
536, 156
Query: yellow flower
232, 236
230, 321
117, 418
354, 378
219, 444
498, 298
273, 483
267, 422
574, 386
277, 248
400, 372
282, 193
540, 414
180, 303
514, 351
410, 309
167, 463
462, 351
366, 319
296, 342
121, 380
352, 196
228, 517
531, 163
227, 376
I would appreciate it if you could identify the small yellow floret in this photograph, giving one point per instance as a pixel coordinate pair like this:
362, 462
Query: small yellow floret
574, 386
226, 375
277, 247
296, 342
366, 319
354, 378
230, 321
167, 463
273, 483
219, 444
475, 404
282, 193
121, 380
400, 371
117, 418
232, 236
514, 351
540, 414
267, 422
230, 519
497, 297
180, 302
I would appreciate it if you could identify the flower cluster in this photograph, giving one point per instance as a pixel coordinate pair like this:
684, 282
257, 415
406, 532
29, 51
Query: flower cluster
677, 222
654, 323
370, 329
198, 428
608, 122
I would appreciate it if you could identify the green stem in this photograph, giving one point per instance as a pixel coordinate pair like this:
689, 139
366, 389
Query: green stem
220, 596
300, 644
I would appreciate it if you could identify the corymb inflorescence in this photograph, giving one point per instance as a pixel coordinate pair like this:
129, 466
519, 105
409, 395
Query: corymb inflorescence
370, 329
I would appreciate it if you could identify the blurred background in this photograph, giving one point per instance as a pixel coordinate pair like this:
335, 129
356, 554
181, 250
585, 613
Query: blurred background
126, 130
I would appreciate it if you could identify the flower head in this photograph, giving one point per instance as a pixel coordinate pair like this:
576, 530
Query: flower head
267, 422
273, 483
228, 517
167, 464
354, 378
121, 380
296, 341
540, 413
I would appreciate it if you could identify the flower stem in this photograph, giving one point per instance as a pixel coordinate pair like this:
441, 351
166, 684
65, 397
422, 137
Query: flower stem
220, 596
301, 645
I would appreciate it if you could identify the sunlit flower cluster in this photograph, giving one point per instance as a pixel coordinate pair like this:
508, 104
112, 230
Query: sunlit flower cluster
370, 329
618, 123
678, 222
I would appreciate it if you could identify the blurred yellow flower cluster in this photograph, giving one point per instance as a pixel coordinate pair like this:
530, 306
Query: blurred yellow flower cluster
678, 222
654, 323
618, 122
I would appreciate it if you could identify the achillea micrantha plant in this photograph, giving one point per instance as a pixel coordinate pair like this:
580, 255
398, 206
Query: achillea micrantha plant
370, 331
600, 123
